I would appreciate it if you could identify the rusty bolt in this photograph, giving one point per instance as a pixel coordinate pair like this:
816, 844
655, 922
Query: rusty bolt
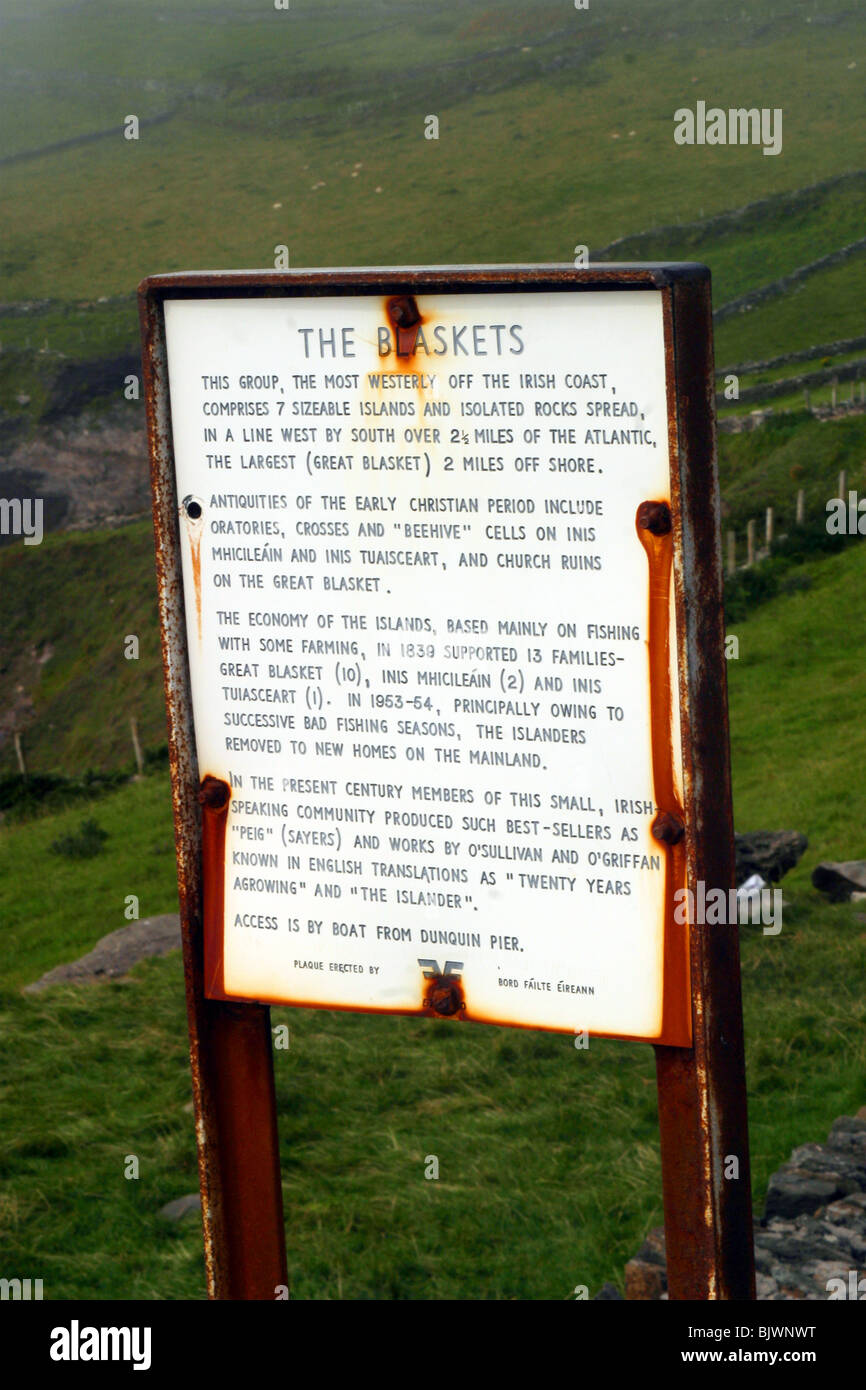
403, 311
667, 828
444, 998
214, 794
655, 517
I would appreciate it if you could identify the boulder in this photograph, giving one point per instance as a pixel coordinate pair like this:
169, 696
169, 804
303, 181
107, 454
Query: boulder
646, 1275
181, 1207
609, 1293
817, 1174
115, 954
840, 881
770, 853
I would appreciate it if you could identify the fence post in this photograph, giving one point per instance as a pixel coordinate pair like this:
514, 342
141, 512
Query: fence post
770, 527
801, 506
732, 552
750, 543
19, 753
139, 760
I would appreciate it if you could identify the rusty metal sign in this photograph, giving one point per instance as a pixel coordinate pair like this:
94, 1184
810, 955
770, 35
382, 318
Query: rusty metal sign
440, 594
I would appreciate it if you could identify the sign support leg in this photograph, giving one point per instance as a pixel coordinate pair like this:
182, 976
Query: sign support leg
236, 1108
702, 1089
242, 1201
705, 1171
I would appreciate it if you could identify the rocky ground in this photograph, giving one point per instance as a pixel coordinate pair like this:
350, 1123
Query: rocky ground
813, 1231
87, 473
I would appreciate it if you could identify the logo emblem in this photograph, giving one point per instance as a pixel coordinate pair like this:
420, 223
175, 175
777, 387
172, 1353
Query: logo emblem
430, 968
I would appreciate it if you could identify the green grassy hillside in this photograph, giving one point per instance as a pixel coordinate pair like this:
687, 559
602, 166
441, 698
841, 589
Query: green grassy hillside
305, 127
66, 608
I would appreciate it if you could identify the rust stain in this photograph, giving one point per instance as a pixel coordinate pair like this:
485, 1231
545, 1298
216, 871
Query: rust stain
409, 331
214, 797
404, 321
444, 996
426, 1010
654, 524
192, 513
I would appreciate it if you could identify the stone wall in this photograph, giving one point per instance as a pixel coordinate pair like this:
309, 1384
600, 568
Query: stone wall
813, 1230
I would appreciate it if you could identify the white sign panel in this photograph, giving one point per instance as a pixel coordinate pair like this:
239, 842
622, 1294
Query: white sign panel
417, 610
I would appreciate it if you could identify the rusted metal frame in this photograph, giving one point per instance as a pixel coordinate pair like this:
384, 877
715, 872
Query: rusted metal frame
230, 1047
702, 1097
701, 1090
442, 996
400, 281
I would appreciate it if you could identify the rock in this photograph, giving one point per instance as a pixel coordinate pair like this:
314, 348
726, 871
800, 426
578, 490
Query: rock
181, 1207
117, 952
644, 1282
765, 1287
770, 853
848, 1135
95, 477
814, 1175
840, 881
646, 1275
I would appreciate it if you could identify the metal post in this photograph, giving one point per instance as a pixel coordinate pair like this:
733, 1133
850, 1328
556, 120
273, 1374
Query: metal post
702, 1094
230, 1044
